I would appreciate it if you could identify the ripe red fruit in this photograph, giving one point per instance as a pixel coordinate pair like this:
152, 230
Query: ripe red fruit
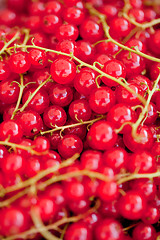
63, 70
132, 205
101, 135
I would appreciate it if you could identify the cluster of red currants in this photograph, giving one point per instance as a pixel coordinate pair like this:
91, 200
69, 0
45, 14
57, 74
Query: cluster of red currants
79, 120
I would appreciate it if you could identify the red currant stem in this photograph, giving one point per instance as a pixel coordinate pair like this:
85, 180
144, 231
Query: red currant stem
8, 201
38, 224
106, 28
151, 3
142, 25
137, 176
34, 93
131, 34
127, 6
40, 175
72, 125
145, 109
26, 38
89, 66
62, 177
122, 126
15, 146
21, 86
129, 227
7, 44
54, 226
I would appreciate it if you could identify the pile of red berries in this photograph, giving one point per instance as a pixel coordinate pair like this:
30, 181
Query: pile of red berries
80, 125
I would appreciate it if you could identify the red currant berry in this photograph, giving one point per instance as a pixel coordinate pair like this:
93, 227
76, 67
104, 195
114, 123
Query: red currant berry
60, 95
69, 145
67, 31
31, 122
91, 31
115, 69
101, 135
19, 62
144, 232
54, 115
63, 70
109, 229
9, 91
14, 221
80, 110
78, 231
50, 23
132, 205
11, 129
101, 100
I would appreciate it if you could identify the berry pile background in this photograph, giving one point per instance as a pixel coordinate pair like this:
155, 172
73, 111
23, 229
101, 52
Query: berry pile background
80, 119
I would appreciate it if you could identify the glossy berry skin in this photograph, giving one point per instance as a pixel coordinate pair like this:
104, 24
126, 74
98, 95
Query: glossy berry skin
119, 27
41, 144
144, 232
46, 207
79, 206
137, 14
31, 122
146, 187
11, 128
84, 51
53, 7
69, 145
109, 10
54, 115
50, 23
101, 135
39, 102
154, 42
38, 58
80, 130
9, 91
91, 160
13, 164
14, 220
73, 15
91, 31
101, 58
33, 166
125, 97
134, 63
136, 44
107, 48
78, 231
67, 31
66, 46
116, 158
4, 70
132, 205
60, 95
19, 62
120, 114
115, 69
109, 229
108, 191
143, 142
101, 100
80, 110
74, 190
84, 81
56, 193
63, 70
152, 215
142, 162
